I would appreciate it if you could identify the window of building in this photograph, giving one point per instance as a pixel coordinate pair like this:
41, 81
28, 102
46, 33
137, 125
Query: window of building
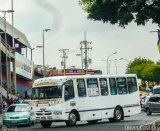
103, 86
113, 87
132, 84
121, 85
92, 87
81, 88
69, 90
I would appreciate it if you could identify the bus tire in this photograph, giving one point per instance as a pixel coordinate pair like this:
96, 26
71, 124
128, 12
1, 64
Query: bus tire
148, 112
72, 119
118, 115
46, 124
92, 122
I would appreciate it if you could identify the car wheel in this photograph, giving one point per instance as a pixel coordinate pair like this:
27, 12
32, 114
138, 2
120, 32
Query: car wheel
148, 111
46, 124
72, 119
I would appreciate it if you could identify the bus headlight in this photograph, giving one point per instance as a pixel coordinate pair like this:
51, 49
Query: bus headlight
57, 112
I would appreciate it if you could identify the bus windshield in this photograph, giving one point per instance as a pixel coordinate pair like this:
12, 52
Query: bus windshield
47, 92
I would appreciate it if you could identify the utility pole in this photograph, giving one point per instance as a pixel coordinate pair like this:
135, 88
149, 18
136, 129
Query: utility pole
85, 46
64, 57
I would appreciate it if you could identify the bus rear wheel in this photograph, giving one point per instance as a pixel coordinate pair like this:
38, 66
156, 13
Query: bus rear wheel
118, 115
72, 119
46, 124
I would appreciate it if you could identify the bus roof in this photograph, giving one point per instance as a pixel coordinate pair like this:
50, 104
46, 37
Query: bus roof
59, 80
155, 87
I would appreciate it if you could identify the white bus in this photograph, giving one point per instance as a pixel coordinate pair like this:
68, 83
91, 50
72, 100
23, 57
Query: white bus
88, 98
156, 90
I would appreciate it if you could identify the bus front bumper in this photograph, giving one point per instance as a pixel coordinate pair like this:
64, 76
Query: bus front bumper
52, 117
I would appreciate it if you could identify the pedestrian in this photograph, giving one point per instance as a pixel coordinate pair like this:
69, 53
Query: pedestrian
4, 104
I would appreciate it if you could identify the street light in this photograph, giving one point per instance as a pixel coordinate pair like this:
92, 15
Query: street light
6, 11
108, 59
32, 53
7, 63
124, 59
109, 65
106, 64
44, 71
116, 60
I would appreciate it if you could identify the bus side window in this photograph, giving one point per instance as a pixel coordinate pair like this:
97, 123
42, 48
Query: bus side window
121, 85
69, 90
103, 86
113, 87
92, 87
81, 87
132, 84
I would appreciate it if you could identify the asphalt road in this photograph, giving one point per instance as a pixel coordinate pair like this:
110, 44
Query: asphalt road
130, 123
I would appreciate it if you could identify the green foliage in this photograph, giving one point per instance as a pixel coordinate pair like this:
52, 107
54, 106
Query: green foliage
145, 69
123, 11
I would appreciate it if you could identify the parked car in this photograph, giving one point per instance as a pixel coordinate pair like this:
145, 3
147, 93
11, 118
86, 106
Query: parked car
17, 114
152, 104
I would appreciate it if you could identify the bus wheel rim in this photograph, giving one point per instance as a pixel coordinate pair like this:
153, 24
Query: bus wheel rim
118, 114
72, 117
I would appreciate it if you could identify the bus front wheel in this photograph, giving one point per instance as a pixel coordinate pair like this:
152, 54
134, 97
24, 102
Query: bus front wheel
72, 119
46, 124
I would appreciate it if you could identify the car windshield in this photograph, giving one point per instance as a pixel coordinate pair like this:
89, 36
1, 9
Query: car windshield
47, 92
156, 91
18, 108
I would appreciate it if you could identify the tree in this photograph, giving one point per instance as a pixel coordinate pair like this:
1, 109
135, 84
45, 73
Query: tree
142, 67
137, 66
145, 69
123, 11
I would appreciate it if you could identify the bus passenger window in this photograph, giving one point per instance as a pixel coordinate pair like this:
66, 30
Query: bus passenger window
81, 87
132, 84
113, 87
69, 90
121, 85
92, 87
103, 86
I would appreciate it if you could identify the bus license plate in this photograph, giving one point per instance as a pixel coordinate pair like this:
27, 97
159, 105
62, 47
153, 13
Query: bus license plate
43, 118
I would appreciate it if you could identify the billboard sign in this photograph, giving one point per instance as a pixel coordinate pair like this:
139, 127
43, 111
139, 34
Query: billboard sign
24, 66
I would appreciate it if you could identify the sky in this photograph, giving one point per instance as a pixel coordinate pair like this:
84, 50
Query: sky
68, 22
